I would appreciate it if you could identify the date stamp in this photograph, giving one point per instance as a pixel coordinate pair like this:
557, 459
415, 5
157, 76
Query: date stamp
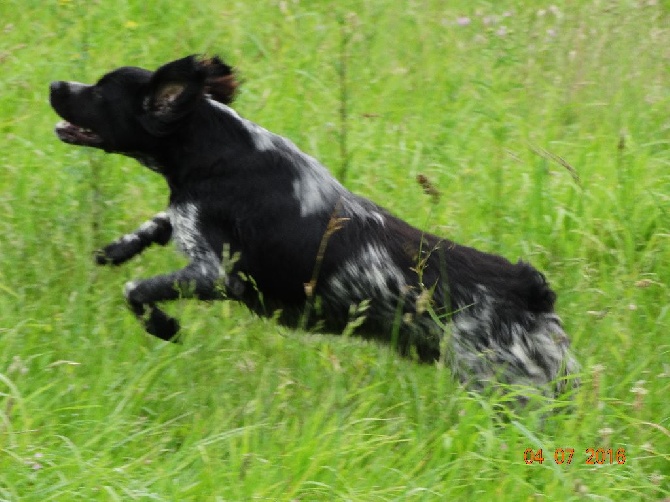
592, 456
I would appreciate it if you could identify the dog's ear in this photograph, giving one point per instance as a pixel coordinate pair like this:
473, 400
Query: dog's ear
171, 94
174, 89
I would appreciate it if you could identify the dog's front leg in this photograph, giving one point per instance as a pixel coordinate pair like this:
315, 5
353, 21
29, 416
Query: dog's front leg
157, 230
201, 279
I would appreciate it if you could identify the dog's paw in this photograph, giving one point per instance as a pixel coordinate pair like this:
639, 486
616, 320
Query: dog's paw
163, 326
117, 252
101, 258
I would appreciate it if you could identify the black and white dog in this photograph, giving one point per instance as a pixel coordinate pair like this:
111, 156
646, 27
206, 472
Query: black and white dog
266, 224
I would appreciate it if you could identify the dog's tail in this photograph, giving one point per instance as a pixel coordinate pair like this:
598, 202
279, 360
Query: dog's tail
539, 296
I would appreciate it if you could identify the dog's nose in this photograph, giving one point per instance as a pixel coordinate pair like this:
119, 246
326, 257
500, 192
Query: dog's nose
56, 86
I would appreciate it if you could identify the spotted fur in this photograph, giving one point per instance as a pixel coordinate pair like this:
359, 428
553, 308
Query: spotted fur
266, 224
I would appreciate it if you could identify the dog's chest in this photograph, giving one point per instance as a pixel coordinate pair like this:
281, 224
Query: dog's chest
185, 233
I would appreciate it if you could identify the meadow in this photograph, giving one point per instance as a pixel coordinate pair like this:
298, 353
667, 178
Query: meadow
545, 128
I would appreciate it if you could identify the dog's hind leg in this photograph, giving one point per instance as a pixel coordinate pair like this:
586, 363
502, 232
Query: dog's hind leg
534, 355
202, 278
157, 230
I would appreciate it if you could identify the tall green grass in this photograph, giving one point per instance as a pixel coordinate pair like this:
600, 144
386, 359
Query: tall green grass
545, 127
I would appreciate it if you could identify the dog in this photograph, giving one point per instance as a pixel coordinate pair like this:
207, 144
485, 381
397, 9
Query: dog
267, 225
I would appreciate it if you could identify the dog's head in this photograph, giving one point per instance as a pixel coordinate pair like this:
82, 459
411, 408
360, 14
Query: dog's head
129, 108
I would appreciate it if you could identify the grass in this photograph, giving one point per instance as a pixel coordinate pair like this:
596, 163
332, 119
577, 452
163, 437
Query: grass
545, 128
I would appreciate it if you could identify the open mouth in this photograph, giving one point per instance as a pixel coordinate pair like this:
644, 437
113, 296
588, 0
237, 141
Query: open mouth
75, 135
